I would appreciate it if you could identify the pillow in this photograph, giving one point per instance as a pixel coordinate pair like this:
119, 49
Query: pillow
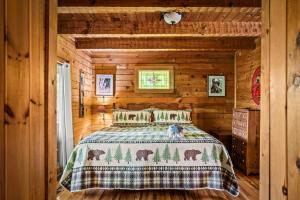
122, 117
172, 116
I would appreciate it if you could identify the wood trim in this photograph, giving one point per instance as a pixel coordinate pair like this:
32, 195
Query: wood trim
211, 43
278, 57
2, 98
154, 67
293, 98
264, 183
155, 3
50, 98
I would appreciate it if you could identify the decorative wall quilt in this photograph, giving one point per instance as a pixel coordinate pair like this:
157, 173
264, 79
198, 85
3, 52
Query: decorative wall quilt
145, 158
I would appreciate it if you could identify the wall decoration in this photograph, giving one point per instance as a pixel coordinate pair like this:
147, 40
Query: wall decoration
154, 79
216, 86
104, 85
255, 88
81, 94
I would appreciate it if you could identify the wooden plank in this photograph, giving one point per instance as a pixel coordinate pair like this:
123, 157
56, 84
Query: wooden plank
278, 56
97, 25
17, 130
2, 99
293, 96
159, 3
36, 96
50, 99
166, 43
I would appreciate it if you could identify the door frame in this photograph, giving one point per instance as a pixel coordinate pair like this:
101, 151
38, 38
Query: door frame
277, 99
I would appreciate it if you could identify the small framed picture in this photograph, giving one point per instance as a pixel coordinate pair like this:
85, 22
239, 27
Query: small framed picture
104, 85
216, 86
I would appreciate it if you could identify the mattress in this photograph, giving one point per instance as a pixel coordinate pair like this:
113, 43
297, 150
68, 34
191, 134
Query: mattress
139, 158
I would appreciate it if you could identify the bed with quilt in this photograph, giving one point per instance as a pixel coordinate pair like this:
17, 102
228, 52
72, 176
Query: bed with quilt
147, 157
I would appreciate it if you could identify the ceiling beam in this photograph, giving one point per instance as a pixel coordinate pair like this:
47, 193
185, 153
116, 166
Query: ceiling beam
105, 10
209, 43
207, 29
159, 3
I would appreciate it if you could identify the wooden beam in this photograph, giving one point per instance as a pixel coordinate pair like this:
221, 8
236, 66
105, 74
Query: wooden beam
101, 10
160, 3
199, 29
166, 43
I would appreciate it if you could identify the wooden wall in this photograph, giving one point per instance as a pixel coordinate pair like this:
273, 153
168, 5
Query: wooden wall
22, 94
246, 63
78, 60
191, 70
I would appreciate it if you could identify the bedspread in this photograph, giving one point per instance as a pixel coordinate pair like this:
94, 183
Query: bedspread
146, 158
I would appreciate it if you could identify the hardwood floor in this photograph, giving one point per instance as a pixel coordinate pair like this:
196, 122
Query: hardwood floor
248, 191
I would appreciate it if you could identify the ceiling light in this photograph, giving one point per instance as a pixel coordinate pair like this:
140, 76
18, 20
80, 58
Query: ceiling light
172, 17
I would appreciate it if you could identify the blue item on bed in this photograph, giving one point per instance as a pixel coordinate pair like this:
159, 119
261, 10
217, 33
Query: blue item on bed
175, 131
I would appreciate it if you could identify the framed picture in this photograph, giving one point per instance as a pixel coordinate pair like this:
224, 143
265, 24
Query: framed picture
216, 86
154, 79
104, 85
81, 94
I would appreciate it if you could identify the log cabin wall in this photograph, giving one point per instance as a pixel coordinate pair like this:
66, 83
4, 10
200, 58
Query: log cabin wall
78, 60
247, 62
191, 71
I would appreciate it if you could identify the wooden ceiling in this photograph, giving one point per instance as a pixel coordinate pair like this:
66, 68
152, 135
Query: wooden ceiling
222, 25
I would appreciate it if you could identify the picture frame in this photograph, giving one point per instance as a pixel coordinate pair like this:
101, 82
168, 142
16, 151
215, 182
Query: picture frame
104, 85
154, 72
216, 85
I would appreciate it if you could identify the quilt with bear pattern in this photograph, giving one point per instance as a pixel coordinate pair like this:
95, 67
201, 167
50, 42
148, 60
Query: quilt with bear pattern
146, 158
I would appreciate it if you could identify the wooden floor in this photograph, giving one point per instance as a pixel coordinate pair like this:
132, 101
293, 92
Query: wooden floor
248, 191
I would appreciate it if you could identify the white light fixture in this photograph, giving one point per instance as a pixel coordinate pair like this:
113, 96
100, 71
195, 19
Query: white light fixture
172, 17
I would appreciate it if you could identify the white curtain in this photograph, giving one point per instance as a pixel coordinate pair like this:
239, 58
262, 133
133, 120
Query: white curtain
64, 113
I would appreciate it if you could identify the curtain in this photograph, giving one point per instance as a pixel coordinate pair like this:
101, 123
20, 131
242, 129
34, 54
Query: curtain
64, 114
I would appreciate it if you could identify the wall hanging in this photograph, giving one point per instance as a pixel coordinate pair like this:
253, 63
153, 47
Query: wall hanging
216, 86
81, 94
255, 88
104, 85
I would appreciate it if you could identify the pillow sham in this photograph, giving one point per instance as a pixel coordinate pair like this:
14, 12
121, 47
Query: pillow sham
172, 116
122, 117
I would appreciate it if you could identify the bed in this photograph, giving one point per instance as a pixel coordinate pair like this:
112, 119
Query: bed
144, 157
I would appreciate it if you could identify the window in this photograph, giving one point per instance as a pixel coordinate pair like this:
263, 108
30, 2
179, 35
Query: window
154, 79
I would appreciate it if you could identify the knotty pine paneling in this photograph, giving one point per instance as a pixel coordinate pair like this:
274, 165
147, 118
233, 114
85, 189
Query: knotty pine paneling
246, 63
78, 60
191, 70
